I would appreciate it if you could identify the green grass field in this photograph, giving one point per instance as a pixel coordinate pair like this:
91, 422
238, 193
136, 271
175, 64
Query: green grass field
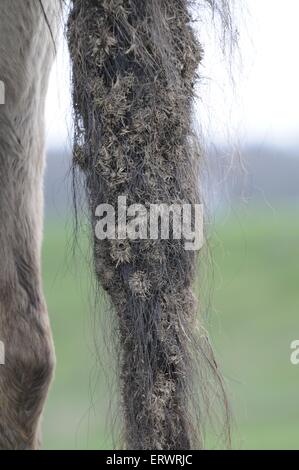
253, 320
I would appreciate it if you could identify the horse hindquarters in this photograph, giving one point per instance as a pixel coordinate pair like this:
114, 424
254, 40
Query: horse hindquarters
26, 54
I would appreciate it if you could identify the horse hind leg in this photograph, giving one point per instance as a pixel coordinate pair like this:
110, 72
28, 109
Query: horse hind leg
24, 326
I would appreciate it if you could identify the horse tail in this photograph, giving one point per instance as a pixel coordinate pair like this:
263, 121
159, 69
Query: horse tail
134, 69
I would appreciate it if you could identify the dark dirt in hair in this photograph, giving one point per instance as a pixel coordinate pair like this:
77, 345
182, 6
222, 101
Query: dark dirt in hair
134, 71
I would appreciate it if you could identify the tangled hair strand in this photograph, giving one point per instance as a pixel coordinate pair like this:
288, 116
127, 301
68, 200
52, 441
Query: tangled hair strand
134, 68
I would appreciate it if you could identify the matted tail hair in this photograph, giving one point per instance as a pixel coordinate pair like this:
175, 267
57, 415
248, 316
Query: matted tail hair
134, 68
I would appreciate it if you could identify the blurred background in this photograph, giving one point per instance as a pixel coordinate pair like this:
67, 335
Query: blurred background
248, 115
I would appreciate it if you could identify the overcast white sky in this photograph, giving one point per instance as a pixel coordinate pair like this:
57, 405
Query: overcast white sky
262, 107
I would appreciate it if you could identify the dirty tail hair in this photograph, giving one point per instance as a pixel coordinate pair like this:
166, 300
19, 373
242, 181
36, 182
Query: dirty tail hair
134, 69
